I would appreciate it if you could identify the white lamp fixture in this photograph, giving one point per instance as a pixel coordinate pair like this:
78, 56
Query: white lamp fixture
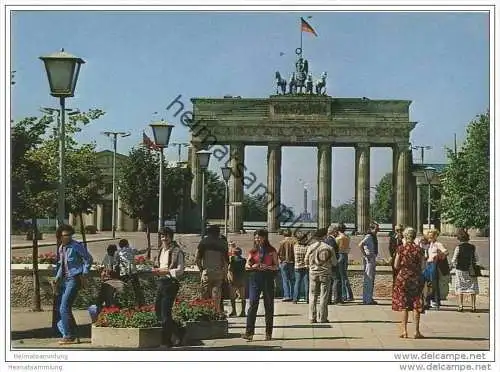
62, 71
161, 133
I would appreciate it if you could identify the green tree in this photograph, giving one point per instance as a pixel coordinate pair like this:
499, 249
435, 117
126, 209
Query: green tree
465, 198
345, 212
83, 179
30, 185
382, 205
214, 193
254, 208
138, 187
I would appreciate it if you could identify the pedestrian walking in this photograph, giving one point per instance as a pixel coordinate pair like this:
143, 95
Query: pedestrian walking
212, 260
128, 268
320, 259
300, 267
409, 262
169, 266
286, 264
237, 279
73, 266
466, 263
369, 252
262, 266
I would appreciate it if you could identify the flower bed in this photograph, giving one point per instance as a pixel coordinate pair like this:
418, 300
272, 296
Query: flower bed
139, 327
44, 258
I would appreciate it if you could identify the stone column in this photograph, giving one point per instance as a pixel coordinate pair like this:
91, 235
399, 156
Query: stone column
324, 185
363, 187
419, 209
395, 156
71, 219
273, 186
237, 163
119, 212
402, 211
99, 217
196, 171
356, 162
140, 225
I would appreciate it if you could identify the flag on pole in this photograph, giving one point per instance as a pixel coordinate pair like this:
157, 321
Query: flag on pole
305, 26
146, 141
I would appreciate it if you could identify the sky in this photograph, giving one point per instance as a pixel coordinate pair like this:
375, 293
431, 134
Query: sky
138, 62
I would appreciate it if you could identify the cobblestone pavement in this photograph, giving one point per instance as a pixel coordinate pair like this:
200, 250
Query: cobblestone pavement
352, 326
190, 242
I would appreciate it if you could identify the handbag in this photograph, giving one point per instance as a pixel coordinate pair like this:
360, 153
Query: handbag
474, 269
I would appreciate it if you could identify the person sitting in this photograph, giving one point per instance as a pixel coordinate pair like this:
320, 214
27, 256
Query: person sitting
110, 278
236, 277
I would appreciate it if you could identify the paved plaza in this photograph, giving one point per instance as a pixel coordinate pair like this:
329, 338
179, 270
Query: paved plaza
352, 326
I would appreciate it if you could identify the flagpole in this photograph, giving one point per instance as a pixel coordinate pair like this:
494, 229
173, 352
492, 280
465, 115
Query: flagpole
300, 38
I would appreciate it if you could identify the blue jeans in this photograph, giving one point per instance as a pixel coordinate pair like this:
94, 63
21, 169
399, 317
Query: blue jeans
369, 264
260, 283
67, 324
301, 280
344, 279
288, 279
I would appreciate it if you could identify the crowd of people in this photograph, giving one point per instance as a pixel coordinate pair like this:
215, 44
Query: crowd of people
312, 266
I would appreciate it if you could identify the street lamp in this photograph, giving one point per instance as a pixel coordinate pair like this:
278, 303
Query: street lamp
161, 134
114, 135
429, 173
62, 72
226, 175
204, 159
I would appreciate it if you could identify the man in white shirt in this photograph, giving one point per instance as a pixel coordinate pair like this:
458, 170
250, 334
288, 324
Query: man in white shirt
128, 269
169, 267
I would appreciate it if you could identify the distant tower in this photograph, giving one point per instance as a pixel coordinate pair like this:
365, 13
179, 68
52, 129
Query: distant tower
305, 203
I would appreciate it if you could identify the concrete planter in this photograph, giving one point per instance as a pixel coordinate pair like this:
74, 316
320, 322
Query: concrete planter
126, 337
206, 330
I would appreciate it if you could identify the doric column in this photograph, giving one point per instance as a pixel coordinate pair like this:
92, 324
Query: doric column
356, 162
419, 209
140, 225
395, 156
196, 172
99, 217
324, 184
237, 163
119, 212
402, 211
363, 187
273, 186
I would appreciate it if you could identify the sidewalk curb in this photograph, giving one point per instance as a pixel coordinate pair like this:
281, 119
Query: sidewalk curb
46, 244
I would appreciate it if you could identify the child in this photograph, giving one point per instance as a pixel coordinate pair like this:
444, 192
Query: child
237, 278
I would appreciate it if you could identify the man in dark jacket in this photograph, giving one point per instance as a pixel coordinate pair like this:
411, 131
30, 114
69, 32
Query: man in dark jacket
336, 288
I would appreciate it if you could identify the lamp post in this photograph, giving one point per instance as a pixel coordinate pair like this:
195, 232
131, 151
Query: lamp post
62, 72
161, 134
226, 175
204, 159
429, 174
114, 136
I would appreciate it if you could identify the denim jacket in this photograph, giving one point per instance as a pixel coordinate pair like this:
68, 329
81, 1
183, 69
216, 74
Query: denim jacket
78, 260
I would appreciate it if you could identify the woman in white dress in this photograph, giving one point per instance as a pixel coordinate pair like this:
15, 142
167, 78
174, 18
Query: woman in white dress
464, 258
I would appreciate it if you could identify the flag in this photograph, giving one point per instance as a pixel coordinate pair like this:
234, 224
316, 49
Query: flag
304, 26
146, 141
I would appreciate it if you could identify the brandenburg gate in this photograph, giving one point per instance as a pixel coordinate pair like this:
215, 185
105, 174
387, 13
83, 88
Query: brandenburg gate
308, 120
306, 116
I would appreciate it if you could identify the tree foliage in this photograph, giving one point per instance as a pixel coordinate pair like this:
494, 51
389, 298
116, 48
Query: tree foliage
382, 205
254, 208
345, 213
466, 182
